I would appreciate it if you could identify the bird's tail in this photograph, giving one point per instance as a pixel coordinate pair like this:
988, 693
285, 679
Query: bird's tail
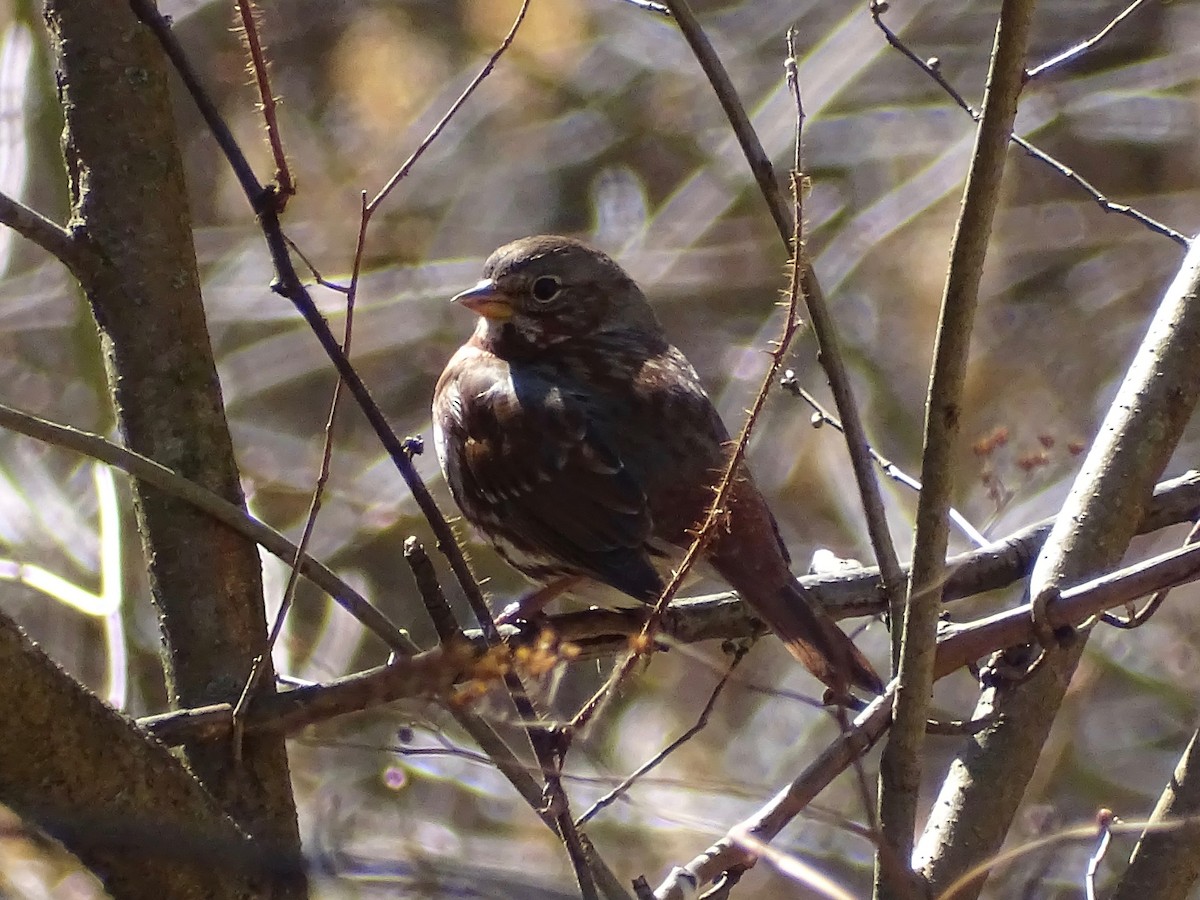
815, 640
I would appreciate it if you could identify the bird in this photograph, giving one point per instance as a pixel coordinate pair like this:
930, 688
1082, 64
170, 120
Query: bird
581, 444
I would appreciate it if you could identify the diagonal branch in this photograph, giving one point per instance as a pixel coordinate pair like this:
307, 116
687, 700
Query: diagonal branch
289, 285
828, 343
1166, 861
715, 514
77, 256
222, 510
1090, 534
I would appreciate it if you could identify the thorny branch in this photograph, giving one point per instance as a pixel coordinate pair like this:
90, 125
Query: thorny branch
716, 509
284, 185
830, 352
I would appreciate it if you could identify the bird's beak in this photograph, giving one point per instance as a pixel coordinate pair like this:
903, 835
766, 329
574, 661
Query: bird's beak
486, 301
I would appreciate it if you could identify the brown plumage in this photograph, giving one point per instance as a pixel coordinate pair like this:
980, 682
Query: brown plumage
582, 445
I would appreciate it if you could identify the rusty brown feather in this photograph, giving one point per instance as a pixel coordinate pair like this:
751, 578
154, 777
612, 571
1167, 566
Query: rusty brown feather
582, 445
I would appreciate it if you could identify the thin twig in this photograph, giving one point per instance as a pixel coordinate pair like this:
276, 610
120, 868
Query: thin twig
1138, 618
735, 112
1104, 824
284, 185
76, 255
314, 506
440, 614
714, 515
930, 68
540, 738
160, 27
653, 762
589, 867
1083, 46
1075, 834
452, 111
793, 81
822, 416
901, 764
1122, 209
317, 277
739, 848
828, 344
651, 6
289, 285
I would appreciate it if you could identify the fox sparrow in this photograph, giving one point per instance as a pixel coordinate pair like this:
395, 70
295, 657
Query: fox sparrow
583, 447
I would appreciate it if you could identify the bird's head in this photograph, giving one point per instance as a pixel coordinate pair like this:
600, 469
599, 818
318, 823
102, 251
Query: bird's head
541, 291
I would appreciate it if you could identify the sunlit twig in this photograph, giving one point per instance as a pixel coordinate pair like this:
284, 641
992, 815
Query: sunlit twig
653, 762
931, 68
822, 416
1083, 46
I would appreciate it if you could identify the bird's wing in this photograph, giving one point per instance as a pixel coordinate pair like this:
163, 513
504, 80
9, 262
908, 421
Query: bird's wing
529, 464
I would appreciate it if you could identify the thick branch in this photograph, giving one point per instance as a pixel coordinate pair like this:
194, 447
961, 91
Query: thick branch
129, 199
124, 805
1091, 533
435, 672
1166, 861
743, 843
900, 767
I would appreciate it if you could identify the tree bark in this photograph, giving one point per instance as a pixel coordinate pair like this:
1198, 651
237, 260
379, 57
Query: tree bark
129, 205
89, 777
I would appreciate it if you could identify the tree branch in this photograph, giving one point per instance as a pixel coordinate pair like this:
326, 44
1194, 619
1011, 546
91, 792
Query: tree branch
1166, 861
830, 352
742, 844
435, 672
129, 198
48, 235
900, 766
1091, 533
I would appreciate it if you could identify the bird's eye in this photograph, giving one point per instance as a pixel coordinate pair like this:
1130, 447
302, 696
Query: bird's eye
546, 288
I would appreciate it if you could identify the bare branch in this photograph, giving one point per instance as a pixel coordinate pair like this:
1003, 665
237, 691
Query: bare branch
900, 767
48, 235
715, 513
1083, 46
435, 672
285, 186
822, 416
741, 845
451, 112
931, 68
653, 762
830, 352
227, 513
1166, 861
289, 285
1090, 534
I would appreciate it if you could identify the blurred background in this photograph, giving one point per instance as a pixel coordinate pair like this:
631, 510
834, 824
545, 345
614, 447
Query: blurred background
599, 123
